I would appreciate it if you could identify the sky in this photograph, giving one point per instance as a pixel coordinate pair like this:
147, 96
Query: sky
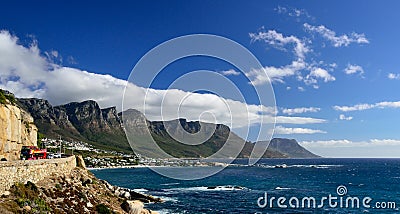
333, 65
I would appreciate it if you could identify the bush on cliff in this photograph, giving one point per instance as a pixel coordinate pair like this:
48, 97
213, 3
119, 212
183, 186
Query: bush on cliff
103, 209
4, 97
28, 195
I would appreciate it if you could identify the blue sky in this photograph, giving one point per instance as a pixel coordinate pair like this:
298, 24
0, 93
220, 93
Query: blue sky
346, 75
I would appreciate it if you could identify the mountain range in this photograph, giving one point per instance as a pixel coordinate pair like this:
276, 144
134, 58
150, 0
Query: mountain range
104, 128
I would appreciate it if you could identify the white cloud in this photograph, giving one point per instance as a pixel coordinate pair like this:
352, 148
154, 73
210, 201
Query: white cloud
281, 10
230, 72
388, 104
361, 107
349, 143
298, 120
343, 117
54, 56
337, 41
291, 111
301, 89
19, 62
393, 76
392, 142
285, 131
373, 148
279, 41
318, 73
258, 76
295, 68
358, 107
352, 69
333, 65
293, 12
25, 72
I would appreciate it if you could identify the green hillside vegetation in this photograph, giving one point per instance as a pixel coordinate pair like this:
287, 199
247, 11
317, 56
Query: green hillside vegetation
5, 96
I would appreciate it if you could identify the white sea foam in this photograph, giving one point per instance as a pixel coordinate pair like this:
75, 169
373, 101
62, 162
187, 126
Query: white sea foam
167, 211
171, 199
319, 166
169, 184
141, 190
209, 188
282, 188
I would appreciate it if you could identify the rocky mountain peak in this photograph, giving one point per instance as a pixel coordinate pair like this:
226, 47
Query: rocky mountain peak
105, 128
290, 147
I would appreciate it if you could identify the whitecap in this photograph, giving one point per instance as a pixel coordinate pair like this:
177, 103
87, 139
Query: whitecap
169, 184
164, 198
282, 188
166, 211
141, 190
209, 188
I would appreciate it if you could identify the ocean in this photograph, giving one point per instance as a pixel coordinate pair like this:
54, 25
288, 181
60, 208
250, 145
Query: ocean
297, 186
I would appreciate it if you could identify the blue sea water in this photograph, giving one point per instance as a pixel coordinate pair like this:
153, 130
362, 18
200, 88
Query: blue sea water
378, 179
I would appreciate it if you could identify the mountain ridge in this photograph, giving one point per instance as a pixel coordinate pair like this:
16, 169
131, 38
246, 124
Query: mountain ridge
104, 128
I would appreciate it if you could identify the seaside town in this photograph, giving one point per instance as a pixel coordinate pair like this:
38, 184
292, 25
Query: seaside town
98, 158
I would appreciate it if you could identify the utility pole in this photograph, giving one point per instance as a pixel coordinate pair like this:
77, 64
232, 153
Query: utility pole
60, 142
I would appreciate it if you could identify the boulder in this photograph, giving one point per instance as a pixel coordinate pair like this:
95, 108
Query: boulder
80, 162
133, 207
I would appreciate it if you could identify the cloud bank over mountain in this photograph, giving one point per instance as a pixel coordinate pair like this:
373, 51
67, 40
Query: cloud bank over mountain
28, 72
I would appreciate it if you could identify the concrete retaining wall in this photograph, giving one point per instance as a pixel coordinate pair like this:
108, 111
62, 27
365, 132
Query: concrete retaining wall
33, 170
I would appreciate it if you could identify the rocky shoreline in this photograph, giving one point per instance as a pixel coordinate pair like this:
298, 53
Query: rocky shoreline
131, 194
78, 192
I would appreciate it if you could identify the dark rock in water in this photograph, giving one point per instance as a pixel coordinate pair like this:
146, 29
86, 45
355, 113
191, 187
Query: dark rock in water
238, 187
143, 197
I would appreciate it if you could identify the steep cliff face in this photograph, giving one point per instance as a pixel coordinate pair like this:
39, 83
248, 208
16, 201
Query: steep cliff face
84, 121
104, 128
52, 119
290, 147
101, 126
16, 130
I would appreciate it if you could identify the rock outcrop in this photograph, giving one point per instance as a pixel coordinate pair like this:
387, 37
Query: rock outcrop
84, 121
16, 130
78, 191
52, 119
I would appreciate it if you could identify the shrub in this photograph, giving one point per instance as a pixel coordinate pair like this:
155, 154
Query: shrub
103, 209
3, 99
10, 98
27, 191
58, 186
